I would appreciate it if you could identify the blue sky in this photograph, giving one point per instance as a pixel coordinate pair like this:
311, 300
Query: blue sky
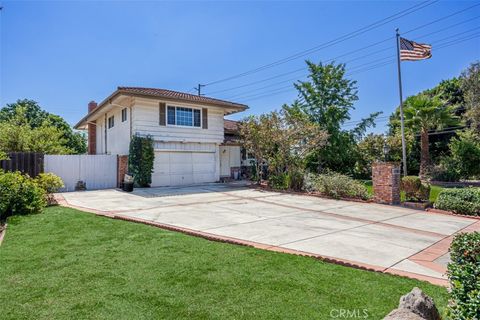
64, 54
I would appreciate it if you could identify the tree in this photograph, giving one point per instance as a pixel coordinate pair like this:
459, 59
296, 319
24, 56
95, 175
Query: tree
35, 117
281, 139
327, 98
465, 153
16, 135
423, 114
470, 83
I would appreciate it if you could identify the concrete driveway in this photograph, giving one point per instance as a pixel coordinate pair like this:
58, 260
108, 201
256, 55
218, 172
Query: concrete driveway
384, 238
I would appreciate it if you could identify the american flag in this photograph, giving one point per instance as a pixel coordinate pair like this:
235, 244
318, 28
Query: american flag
412, 51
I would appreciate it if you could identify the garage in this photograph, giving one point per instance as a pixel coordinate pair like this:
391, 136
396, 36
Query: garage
175, 168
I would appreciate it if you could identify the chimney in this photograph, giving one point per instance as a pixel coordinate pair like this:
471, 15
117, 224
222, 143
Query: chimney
91, 105
92, 131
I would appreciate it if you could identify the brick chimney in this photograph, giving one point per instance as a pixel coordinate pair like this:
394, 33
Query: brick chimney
92, 131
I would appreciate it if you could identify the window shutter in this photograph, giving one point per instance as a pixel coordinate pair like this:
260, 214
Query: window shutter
204, 118
162, 113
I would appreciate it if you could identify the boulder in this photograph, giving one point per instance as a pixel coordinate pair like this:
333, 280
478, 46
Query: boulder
415, 305
402, 314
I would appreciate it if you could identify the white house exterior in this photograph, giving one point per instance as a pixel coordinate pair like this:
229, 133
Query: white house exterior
188, 132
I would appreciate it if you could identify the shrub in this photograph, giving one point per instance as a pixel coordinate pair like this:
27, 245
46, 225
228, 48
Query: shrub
50, 183
278, 181
464, 274
446, 170
140, 160
414, 189
461, 201
295, 179
19, 195
337, 186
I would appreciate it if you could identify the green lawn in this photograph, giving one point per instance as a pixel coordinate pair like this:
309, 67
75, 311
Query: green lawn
434, 191
66, 264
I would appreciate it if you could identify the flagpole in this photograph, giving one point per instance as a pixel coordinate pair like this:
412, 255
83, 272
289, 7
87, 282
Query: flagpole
402, 122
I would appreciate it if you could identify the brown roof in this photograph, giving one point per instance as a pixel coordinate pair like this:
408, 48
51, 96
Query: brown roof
170, 94
230, 125
165, 94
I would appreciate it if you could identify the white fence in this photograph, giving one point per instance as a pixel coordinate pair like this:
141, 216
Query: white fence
97, 171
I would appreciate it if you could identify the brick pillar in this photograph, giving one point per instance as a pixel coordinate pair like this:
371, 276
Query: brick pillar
92, 131
386, 182
122, 168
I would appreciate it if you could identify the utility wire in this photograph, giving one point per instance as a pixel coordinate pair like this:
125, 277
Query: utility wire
327, 44
382, 65
365, 67
367, 47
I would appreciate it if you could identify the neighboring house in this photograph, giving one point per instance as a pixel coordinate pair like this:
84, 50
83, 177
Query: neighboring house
191, 138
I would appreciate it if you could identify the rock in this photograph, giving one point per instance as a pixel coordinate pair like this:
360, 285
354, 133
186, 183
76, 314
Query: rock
402, 314
415, 305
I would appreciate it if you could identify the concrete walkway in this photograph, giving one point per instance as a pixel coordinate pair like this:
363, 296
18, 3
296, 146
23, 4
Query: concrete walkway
382, 238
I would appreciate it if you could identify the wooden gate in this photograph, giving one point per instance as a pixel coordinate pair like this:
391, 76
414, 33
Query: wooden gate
96, 171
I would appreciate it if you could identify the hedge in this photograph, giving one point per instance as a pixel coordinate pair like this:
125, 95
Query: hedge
461, 201
464, 274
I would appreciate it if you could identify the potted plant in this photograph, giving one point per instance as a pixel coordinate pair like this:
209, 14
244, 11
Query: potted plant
127, 183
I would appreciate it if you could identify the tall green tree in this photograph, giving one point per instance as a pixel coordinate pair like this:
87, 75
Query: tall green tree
35, 117
470, 83
327, 98
423, 114
17, 135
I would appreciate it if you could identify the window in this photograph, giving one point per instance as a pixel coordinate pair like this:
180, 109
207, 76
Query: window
181, 116
196, 118
111, 122
171, 115
124, 115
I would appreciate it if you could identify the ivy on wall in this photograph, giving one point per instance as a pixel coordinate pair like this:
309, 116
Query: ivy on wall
140, 160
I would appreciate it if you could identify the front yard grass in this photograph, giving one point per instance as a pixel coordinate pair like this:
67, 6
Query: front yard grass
67, 264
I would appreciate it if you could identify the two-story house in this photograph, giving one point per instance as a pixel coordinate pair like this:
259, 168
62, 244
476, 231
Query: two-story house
188, 132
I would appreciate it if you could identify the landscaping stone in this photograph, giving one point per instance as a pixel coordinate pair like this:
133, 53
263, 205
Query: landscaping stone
415, 305
403, 314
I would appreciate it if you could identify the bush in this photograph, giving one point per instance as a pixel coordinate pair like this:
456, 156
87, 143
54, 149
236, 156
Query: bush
461, 201
295, 179
464, 274
140, 160
336, 185
446, 170
414, 189
19, 195
278, 181
50, 183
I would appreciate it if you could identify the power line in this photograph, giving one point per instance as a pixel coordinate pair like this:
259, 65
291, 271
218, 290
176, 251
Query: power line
340, 39
365, 67
367, 47
276, 91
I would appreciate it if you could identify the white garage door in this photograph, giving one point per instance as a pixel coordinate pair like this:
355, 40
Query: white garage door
173, 168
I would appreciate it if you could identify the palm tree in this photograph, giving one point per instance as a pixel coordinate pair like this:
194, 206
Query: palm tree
423, 114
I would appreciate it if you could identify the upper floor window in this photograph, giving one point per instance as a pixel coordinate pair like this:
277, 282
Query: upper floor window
124, 115
181, 116
111, 122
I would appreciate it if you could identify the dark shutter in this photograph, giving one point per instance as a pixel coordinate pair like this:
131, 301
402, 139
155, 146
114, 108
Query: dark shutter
162, 114
204, 118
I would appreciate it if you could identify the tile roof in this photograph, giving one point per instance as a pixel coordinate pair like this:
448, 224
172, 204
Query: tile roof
170, 94
230, 125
